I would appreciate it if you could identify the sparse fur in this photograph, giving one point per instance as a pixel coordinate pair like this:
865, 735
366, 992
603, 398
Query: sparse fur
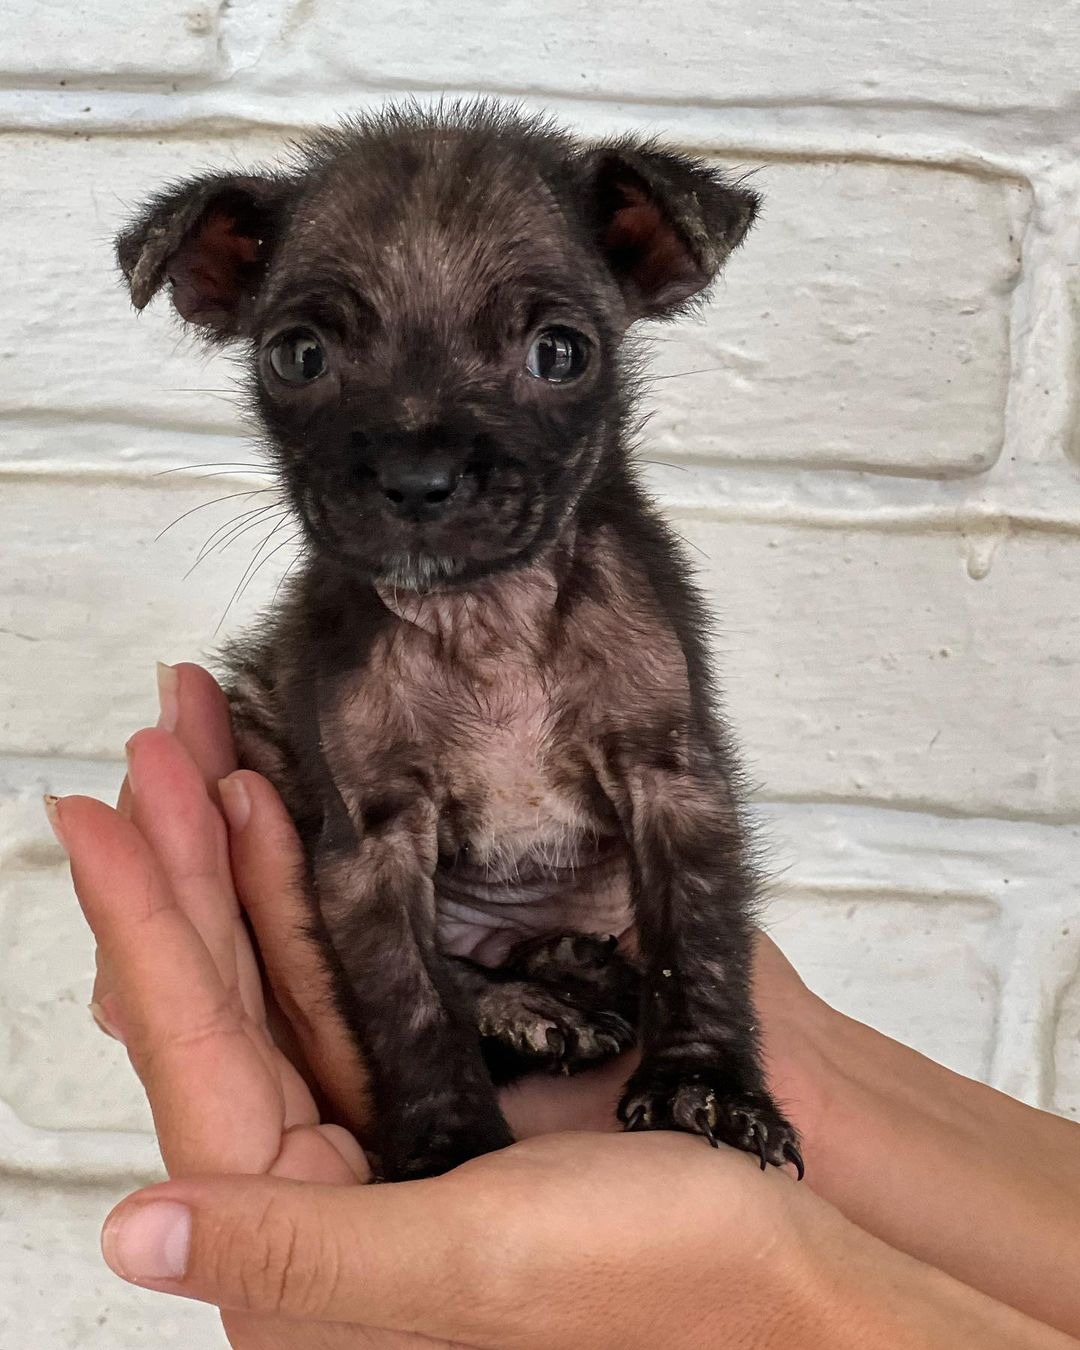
488, 704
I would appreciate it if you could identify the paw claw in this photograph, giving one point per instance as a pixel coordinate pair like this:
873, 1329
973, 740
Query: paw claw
556, 1042
704, 1101
637, 1118
705, 1127
761, 1136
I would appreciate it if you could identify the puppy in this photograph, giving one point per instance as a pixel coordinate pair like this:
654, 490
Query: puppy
485, 695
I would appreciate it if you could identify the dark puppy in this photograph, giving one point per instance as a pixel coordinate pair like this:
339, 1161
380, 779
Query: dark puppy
486, 697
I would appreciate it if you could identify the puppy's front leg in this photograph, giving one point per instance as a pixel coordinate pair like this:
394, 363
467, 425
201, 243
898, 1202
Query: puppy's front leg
434, 1101
693, 896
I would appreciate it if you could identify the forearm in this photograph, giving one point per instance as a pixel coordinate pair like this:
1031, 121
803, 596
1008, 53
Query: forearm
946, 1169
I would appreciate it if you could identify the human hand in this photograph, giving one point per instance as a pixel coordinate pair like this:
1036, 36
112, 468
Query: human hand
170, 932
178, 978
581, 1241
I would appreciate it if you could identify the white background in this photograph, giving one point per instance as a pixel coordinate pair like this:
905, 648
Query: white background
878, 462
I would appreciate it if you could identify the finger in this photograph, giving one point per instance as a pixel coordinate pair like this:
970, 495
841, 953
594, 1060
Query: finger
321, 1153
268, 868
215, 1104
202, 724
393, 1257
172, 811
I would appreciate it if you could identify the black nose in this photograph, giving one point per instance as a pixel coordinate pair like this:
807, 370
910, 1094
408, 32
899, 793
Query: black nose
419, 488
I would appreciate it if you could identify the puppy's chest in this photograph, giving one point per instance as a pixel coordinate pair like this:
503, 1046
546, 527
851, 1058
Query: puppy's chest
509, 770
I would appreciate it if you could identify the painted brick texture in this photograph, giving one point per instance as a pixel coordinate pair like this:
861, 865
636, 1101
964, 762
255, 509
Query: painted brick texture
871, 443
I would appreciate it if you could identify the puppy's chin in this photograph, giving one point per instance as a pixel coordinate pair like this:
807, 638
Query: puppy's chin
418, 572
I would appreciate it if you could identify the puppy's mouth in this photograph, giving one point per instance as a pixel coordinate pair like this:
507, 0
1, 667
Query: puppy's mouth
460, 545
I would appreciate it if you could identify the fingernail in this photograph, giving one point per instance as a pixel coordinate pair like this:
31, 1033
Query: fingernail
236, 801
52, 811
129, 755
106, 1015
168, 685
148, 1241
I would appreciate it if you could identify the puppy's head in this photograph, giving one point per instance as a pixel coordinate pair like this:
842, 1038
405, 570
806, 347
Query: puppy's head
433, 307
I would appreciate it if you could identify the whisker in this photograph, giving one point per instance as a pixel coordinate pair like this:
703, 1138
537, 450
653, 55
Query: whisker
663, 464
690, 543
255, 566
231, 496
255, 511
249, 570
285, 576
277, 549
256, 468
221, 545
681, 374
211, 464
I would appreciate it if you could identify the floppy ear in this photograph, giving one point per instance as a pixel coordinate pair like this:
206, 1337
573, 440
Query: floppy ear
210, 239
664, 222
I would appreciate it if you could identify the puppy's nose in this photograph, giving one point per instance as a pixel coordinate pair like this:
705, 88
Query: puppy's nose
419, 488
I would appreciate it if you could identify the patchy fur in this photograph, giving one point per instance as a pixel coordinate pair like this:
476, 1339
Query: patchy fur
485, 697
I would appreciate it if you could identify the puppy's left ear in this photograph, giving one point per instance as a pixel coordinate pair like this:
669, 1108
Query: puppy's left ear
665, 223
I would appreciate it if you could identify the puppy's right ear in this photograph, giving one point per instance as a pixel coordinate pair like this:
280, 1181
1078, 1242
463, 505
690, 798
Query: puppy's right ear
210, 239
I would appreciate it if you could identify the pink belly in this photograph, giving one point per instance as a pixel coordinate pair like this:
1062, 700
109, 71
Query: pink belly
482, 912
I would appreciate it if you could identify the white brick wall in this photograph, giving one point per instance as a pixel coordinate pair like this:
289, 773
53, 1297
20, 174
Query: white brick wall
880, 463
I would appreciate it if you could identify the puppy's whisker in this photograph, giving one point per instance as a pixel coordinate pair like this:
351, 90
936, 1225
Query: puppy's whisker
259, 469
285, 575
275, 550
249, 571
238, 528
682, 374
231, 496
690, 544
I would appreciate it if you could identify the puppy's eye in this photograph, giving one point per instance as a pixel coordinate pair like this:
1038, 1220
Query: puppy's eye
558, 355
297, 357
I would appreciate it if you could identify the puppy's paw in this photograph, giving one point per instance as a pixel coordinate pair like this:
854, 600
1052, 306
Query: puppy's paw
585, 966
554, 955
551, 1031
699, 1102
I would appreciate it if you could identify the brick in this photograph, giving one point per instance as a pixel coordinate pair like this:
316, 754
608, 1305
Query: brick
90, 599
936, 990
930, 669
73, 342
687, 52
57, 1291
865, 324
57, 1071
155, 39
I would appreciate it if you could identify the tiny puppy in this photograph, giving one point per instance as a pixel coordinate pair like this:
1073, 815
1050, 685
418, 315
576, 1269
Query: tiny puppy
484, 694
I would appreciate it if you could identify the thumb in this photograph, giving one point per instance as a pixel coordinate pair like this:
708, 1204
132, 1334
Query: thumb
403, 1257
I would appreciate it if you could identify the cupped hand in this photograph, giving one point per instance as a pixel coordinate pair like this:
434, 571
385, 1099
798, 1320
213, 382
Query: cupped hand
166, 881
583, 1241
